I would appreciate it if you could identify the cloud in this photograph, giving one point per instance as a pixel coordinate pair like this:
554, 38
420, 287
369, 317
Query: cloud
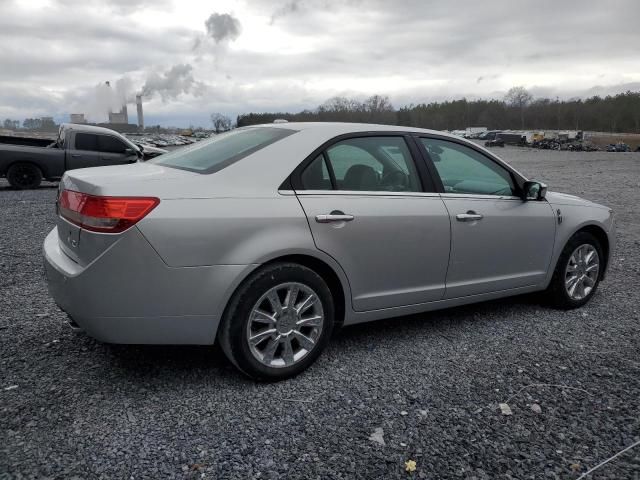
172, 83
288, 8
222, 27
120, 6
295, 54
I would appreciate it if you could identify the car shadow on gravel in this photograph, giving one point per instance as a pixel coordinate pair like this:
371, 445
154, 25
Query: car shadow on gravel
41, 187
177, 357
438, 320
163, 360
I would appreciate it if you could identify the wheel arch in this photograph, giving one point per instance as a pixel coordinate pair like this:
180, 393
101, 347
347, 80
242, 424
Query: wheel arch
328, 274
602, 237
336, 282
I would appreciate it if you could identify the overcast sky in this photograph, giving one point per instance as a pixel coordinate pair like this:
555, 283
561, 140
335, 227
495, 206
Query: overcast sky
193, 58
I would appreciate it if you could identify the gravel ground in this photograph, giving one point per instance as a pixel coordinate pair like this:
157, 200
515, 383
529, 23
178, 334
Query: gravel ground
71, 406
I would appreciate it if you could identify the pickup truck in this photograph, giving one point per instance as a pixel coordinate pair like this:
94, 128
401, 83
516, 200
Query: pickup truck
25, 162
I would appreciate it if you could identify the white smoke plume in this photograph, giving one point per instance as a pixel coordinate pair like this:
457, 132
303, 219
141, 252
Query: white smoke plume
172, 83
96, 102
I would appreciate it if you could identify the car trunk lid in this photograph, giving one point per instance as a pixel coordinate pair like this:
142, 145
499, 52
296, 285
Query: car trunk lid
100, 192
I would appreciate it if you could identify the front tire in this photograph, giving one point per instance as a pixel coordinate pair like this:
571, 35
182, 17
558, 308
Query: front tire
578, 272
278, 322
24, 176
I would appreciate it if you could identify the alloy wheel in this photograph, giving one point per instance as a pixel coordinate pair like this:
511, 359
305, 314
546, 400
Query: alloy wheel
581, 274
285, 324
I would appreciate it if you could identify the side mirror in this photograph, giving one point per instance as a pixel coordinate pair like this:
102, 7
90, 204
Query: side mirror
534, 190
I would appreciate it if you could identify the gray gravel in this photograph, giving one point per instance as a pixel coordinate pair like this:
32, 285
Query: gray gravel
432, 383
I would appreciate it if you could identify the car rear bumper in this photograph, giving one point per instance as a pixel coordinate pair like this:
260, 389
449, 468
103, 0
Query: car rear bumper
129, 295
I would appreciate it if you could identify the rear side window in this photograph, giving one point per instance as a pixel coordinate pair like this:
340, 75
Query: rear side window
316, 176
110, 144
364, 164
86, 141
209, 156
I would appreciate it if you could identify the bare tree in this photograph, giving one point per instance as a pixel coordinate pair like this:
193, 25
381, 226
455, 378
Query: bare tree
519, 97
378, 103
221, 123
379, 109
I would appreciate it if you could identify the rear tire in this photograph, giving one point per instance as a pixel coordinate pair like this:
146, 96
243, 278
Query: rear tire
577, 273
24, 176
278, 322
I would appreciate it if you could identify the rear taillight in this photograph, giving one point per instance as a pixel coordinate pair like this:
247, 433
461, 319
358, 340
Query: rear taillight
104, 214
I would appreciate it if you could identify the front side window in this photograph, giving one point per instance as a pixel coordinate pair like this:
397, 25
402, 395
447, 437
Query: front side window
208, 156
365, 164
463, 170
86, 141
109, 144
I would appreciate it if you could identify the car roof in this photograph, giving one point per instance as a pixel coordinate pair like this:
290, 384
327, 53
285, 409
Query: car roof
338, 128
88, 128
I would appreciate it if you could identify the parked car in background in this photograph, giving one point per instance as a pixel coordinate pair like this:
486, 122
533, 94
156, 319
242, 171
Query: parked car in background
488, 135
500, 139
149, 151
496, 142
510, 138
618, 147
268, 238
26, 162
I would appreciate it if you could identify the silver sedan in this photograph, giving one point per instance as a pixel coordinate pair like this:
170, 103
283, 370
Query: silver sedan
268, 238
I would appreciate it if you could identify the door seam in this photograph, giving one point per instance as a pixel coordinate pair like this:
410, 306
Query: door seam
304, 212
446, 276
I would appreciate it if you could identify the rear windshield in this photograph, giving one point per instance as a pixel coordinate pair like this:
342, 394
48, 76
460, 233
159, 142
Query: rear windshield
208, 156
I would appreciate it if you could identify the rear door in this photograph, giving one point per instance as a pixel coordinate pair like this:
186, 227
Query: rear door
83, 151
367, 208
498, 241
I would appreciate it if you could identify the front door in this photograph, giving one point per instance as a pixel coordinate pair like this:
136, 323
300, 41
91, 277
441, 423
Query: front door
498, 241
114, 151
85, 152
366, 208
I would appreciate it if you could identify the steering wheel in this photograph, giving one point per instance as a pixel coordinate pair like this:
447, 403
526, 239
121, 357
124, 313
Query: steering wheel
395, 181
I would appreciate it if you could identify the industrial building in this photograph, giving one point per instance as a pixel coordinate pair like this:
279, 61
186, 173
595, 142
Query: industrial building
120, 120
77, 118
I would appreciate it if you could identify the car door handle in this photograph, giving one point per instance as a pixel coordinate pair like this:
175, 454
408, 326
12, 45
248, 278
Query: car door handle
75, 155
470, 216
334, 217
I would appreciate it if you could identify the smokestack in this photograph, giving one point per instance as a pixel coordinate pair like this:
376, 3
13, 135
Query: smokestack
140, 116
124, 113
109, 111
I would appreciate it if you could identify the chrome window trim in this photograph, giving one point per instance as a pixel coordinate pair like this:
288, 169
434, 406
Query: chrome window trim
365, 193
519, 177
480, 196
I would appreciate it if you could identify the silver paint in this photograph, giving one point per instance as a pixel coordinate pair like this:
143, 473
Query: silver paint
169, 278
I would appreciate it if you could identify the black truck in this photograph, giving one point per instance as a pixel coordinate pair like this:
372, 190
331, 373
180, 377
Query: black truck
26, 161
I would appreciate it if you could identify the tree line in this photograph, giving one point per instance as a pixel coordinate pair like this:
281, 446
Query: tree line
517, 110
41, 124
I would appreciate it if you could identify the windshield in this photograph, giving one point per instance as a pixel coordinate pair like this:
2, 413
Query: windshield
209, 156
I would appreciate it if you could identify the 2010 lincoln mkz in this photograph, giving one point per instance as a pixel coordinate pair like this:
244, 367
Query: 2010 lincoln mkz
268, 238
